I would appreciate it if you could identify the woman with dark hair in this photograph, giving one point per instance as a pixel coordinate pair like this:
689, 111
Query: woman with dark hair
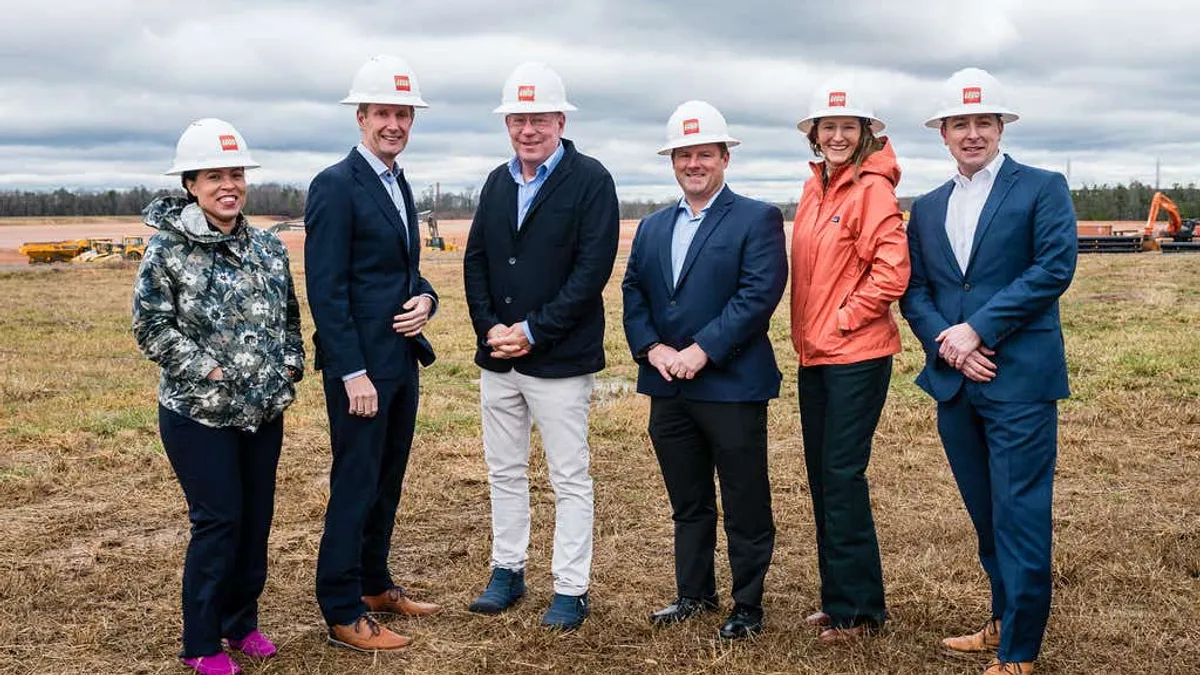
849, 264
214, 306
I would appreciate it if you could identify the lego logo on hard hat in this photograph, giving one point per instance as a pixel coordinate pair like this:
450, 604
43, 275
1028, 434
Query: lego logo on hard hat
525, 92
228, 142
402, 83
972, 95
691, 126
837, 99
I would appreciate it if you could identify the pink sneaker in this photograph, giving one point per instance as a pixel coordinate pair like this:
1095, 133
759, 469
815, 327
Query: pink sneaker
255, 645
217, 664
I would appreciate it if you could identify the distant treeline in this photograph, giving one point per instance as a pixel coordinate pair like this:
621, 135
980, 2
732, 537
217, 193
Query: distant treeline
1097, 202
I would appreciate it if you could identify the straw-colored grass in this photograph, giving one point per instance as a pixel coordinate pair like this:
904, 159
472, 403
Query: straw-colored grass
94, 524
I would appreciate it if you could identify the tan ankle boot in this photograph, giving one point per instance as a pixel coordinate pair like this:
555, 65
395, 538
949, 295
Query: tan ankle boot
985, 640
998, 667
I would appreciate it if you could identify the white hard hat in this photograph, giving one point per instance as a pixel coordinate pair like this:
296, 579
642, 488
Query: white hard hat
696, 123
839, 97
210, 143
533, 88
385, 79
971, 91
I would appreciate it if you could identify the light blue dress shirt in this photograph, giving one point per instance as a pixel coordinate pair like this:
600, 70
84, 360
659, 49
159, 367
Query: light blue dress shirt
686, 226
390, 178
526, 192
527, 189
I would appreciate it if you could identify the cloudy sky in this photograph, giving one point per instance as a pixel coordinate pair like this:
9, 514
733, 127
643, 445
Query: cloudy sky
95, 94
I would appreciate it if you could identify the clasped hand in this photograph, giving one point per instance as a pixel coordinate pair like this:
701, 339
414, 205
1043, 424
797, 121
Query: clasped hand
671, 363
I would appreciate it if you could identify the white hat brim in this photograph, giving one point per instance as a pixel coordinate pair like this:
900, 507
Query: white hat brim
689, 141
1005, 114
804, 125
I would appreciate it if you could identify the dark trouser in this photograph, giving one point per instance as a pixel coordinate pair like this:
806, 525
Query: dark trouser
839, 410
369, 459
690, 439
1003, 455
228, 478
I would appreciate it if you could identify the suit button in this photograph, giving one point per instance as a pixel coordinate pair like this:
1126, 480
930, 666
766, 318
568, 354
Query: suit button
512, 261
966, 287
672, 303
508, 301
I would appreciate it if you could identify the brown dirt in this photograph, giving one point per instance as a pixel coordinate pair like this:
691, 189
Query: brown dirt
94, 523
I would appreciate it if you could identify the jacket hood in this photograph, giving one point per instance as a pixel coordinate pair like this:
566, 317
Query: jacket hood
178, 215
882, 162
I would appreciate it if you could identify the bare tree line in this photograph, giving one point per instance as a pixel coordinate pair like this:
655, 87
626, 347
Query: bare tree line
1097, 202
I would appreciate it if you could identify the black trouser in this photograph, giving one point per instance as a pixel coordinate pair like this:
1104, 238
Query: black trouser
690, 439
228, 478
839, 410
370, 455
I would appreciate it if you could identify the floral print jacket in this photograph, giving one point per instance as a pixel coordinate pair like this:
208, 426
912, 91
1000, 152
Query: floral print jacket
205, 299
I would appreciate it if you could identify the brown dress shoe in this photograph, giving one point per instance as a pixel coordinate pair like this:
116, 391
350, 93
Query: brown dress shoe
817, 619
998, 667
985, 640
394, 601
365, 635
847, 635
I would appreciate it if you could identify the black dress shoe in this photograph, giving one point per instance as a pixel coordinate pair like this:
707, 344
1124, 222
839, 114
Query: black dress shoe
743, 622
683, 609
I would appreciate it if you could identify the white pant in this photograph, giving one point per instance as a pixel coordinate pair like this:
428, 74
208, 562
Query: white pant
509, 402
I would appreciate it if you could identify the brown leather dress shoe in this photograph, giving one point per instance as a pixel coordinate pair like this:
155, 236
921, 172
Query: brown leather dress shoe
987, 639
394, 601
365, 635
998, 667
817, 619
847, 635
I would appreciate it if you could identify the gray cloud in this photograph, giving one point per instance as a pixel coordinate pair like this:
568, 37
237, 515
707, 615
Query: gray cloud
95, 94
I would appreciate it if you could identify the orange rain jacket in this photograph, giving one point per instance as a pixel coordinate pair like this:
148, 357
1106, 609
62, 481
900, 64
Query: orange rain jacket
849, 263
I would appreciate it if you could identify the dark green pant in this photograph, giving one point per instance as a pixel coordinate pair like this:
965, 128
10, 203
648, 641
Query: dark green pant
839, 410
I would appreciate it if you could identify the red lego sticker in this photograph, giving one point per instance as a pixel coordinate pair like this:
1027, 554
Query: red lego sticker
525, 92
228, 142
972, 96
691, 126
403, 83
837, 99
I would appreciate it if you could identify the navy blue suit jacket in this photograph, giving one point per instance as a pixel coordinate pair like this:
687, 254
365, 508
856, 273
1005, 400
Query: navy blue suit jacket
732, 279
1022, 260
359, 272
551, 272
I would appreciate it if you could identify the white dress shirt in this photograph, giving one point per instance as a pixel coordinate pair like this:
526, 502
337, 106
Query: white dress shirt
966, 203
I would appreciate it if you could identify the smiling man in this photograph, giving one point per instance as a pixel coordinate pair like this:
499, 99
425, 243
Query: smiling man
539, 254
369, 303
704, 277
992, 250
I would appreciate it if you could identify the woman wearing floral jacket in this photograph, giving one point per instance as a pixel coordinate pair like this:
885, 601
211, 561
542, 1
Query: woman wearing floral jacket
214, 306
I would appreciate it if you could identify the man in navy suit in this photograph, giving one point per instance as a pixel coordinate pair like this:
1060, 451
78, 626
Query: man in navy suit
539, 254
992, 250
369, 304
703, 279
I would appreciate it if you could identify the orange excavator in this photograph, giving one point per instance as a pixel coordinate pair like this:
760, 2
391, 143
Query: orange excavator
1176, 237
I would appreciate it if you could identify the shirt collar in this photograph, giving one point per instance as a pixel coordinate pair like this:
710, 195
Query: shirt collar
985, 175
683, 203
377, 164
543, 170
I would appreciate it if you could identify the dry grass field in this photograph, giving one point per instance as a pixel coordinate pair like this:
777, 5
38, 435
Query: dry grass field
93, 525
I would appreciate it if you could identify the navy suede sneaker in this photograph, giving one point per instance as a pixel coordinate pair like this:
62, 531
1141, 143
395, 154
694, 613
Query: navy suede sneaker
504, 589
566, 612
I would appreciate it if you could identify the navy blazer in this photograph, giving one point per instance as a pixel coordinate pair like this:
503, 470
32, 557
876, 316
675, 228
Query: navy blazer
732, 279
359, 272
551, 273
1022, 260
